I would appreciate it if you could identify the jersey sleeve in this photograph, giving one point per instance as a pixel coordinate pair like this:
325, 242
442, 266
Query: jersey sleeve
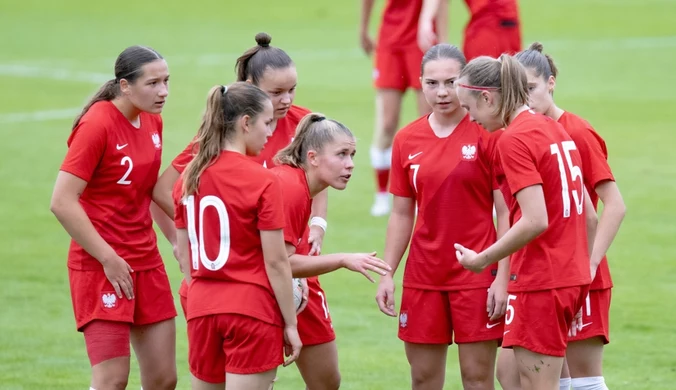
271, 206
179, 208
181, 161
399, 181
592, 148
517, 163
86, 146
492, 157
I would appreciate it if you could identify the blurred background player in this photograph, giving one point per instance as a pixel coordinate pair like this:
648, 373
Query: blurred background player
553, 220
272, 70
493, 28
443, 163
229, 220
320, 156
584, 356
396, 69
102, 196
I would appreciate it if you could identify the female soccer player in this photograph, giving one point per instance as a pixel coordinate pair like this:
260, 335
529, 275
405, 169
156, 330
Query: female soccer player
493, 27
272, 70
119, 288
397, 62
442, 163
229, 219
584, 355
320, 156
540, 177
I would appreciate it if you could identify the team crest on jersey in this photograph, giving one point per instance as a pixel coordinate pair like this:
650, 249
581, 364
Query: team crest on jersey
157, 141
109, 300
469, 152
403, 319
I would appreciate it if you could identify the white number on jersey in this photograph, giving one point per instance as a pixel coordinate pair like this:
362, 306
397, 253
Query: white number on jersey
415, 168
509, 314
198, 254
123, 180
575, 172
324, 305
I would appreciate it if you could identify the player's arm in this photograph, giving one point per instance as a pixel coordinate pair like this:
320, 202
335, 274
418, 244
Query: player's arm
497, 303
183, 253
399, 230
442, 21
318, 222
66, 207
532, 223
610, 220
163, 190
432, 10
308, 266
365, 39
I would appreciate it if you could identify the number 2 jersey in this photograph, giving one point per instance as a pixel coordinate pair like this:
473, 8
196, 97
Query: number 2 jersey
236, 199
120, 164
452, 181
535, 149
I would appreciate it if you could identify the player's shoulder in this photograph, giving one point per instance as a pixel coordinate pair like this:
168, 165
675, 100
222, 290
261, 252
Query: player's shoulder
411, 129
296, 113
575, 125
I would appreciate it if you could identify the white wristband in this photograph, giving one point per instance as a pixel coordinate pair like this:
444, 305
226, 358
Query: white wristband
318, 221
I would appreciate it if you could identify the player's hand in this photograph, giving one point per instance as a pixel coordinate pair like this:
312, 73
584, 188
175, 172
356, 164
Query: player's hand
306, 294
315, 239
364, 262
118, 273
292, 344
468, 259
426, 36
496, 305
576, 324
593, 270
385, 296
367, 43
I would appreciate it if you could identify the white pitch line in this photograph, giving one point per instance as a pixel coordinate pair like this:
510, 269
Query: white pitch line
39, 116
42, 72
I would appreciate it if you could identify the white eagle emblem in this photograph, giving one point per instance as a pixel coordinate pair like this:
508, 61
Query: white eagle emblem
109, 300
469, 152
156, 141
403, 319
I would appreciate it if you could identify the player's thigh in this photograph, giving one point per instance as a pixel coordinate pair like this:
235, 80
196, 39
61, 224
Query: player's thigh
428, 364
585, 357
538, 371
111, 374
318, 365
259, 381
477, 363
155, 348
507, 370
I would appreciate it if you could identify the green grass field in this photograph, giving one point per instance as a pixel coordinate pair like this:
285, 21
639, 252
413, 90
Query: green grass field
616, 60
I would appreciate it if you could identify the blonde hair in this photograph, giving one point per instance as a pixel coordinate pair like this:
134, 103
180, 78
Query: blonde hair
313, 132
506, 76
225, 105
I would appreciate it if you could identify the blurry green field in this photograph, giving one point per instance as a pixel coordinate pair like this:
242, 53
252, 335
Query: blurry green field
616, 60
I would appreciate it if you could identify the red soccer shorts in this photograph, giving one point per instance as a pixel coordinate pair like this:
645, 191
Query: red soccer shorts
441, 317
595, 316
314, 323
232, 343
491, 37
94, 298
397, 68
539, 320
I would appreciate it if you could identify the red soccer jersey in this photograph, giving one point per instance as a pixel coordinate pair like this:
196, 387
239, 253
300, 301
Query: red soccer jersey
504, 9
120, 164
399, 27
595, 169
297, 202
452, 182
533, 150
281, 137
236, 199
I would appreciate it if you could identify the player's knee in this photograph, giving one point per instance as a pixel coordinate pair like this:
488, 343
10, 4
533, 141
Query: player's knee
110, 381
162, 381
424, 375
476, 376
330, 381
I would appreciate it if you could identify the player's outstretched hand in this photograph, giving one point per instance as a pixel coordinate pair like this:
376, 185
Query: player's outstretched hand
365, 262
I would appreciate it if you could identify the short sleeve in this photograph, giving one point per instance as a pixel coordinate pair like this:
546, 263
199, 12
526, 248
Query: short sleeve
179, 207
592, 148
518, 163
399, 180
183, 159
86, 146
271, 206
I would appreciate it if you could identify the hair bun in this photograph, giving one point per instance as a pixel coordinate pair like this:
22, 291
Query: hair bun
263, 39
536, 46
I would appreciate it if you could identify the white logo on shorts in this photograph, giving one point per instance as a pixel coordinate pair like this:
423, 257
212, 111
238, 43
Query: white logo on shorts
109, 300
403, 319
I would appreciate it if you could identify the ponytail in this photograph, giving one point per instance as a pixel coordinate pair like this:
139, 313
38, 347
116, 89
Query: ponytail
107, 92
312, 133
208, 142
252, 64
514, 87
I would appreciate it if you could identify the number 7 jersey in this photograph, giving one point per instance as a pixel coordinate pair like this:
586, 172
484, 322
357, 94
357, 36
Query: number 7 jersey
120, 164
536, 150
